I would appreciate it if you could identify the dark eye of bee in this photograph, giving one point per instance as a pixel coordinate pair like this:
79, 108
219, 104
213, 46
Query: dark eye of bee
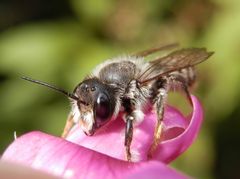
102, 108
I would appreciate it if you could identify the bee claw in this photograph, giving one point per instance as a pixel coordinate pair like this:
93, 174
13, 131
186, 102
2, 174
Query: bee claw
128, 154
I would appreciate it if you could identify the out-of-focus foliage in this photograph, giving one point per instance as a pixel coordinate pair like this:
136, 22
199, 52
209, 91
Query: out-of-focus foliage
61, 41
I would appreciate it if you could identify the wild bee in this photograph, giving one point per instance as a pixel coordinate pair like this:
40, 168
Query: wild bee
130, 84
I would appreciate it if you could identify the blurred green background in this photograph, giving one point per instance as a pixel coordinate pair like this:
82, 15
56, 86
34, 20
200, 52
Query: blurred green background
61, 41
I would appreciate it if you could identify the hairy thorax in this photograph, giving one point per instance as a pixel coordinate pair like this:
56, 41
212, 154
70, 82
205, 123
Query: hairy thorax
118, 72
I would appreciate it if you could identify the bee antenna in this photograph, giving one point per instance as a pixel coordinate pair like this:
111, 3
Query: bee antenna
70, 95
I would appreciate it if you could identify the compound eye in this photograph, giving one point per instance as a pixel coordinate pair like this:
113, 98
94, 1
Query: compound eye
102, 108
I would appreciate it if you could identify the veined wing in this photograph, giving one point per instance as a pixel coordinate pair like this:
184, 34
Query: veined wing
175, 61
147, 52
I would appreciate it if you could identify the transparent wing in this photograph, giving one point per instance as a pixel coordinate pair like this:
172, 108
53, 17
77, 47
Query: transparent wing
154, 50
175, 61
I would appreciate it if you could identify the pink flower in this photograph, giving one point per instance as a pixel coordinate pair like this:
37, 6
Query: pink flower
102, 156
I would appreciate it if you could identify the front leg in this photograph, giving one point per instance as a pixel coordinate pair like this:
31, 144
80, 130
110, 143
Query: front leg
128, 136
132, 102
68, 126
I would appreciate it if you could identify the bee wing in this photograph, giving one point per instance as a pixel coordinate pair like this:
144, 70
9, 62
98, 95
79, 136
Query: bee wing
156, 49
176, 60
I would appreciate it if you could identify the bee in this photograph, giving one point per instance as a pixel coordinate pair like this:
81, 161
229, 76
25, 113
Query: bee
130, 84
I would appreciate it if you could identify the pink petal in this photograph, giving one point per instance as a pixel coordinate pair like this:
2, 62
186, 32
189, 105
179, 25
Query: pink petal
179, 133
65, 159
168, 150
21, 172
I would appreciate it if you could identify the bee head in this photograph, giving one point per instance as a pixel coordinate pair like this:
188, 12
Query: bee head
96, 104
93, 103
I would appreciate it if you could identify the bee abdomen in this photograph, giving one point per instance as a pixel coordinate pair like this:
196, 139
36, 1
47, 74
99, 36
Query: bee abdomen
186, 74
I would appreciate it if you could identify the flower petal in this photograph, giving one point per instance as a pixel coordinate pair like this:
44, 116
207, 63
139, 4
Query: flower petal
178, 134
65, 159
21, 172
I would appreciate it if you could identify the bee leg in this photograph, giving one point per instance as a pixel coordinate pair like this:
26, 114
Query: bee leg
159, 105
184, 87
68, 126
128, 136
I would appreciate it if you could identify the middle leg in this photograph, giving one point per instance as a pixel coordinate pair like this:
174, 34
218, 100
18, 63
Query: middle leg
162, 88
159, 103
